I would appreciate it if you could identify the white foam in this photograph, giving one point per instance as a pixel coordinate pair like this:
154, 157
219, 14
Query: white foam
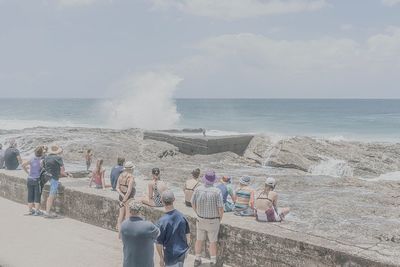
390, 176
332, 167
146, 101
22, 124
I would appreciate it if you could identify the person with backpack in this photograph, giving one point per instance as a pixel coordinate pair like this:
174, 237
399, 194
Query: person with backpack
54, 169
33, 168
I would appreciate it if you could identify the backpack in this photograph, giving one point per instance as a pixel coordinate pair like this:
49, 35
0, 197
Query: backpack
44, 176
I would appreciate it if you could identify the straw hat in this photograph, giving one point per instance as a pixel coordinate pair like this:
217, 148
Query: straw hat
129, 165
55, 150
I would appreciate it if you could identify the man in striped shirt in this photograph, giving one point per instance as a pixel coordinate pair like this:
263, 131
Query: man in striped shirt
208, 204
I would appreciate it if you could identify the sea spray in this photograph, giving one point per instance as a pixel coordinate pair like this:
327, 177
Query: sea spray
332, 167
146, 101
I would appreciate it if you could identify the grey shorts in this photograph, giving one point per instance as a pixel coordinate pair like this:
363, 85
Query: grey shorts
209, 228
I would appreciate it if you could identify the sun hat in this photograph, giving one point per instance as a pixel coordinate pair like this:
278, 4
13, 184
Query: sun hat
245, 180
270, 181
168, 196
129, 165
54, 150
209, 177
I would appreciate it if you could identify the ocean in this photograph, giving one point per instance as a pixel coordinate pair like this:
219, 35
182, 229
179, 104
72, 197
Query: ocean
348, 119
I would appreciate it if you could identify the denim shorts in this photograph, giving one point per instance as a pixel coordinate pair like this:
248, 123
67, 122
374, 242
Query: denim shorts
53, 186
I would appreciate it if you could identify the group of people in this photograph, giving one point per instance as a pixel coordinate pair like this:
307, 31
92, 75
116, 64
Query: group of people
243, 201
45, 166
209, 196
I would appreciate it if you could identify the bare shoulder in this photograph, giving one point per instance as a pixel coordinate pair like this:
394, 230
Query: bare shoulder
273, 195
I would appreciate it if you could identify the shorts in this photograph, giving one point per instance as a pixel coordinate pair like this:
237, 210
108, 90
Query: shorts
244, 212
271, 215
228, 206
54, 186
33, 191
209, 227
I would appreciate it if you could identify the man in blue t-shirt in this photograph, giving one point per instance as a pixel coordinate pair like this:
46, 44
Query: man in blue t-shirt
174, 239
115, 172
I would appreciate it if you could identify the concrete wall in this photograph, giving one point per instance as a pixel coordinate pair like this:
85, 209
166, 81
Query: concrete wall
249, 244
203, 145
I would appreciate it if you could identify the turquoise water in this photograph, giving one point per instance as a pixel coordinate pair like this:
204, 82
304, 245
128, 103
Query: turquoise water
349, 119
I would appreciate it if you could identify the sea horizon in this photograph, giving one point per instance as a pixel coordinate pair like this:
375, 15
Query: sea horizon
337, 119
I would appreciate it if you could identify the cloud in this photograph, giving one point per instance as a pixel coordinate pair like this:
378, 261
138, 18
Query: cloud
257, 61
78, 3
390, 2
237, 9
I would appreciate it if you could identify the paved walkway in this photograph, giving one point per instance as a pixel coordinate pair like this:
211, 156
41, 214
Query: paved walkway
35, 241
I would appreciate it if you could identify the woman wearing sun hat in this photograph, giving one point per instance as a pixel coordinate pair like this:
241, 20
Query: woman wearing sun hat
126, 190
244, 205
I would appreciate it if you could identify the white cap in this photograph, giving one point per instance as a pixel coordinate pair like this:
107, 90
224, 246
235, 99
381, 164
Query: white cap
270, 181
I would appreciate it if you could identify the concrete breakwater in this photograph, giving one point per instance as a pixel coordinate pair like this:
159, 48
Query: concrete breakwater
243, 241
192, 145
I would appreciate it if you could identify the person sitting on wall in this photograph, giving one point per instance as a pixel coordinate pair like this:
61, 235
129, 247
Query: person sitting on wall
115, 172
98, 176
190, 186
225, 185
155, 188
244, 204
12, 157
267, 202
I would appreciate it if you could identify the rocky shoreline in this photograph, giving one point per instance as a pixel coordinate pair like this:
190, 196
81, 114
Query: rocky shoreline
296, 155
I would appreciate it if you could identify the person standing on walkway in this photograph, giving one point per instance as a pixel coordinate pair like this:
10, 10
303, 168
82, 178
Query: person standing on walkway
174, 239
33, 168
12, 158
115, 172
209, 207
126, 190
138, 237
54, 167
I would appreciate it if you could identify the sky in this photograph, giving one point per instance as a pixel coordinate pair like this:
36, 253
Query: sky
209, 48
